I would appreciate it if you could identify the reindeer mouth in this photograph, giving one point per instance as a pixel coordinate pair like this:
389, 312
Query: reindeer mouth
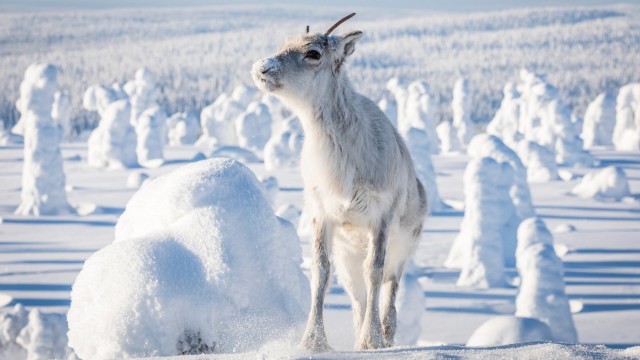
267, 84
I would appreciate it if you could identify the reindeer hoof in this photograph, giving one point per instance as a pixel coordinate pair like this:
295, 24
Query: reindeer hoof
371, 341
314, 343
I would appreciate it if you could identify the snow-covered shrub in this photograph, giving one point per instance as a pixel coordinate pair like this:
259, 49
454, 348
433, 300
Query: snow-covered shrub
61, 113
420, 150
217, 122
540, 162
183, 129
199, 263
98, 97
505, 122
33, 335
409, 307
461, 108
43, 178
448, 138
609, 183
541, 295
151, 137
283, 149
143, 93
626, 133
478, 248
419, 113
113, 143
504, 330
253, 127
599, 121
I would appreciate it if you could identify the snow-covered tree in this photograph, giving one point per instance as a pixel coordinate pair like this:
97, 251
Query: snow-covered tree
61, 113
420, 150
610, 183
150, 130
505, 122
448, 138
218, 122
143, 93
43, 179
540, 161
389, 107
542, 290
113, 143
419, 113
253, 127
478, 248
626, 134
461, 107
283, 149
183, 129
599, 121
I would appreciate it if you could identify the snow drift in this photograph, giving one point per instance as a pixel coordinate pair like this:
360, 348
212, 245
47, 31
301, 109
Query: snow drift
608, 183
504, 330
199, 263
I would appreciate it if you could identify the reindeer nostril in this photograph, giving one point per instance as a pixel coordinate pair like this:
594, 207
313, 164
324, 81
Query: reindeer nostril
266, 69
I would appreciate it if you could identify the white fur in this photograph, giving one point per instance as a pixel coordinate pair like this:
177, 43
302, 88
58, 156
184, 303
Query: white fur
361, 190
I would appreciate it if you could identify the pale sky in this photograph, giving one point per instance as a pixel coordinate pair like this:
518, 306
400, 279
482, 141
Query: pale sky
444, 5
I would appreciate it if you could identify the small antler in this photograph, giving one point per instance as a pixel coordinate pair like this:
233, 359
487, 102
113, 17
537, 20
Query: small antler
307, 29
339, 23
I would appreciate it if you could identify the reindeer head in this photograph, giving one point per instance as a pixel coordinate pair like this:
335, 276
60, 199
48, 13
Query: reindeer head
305, 63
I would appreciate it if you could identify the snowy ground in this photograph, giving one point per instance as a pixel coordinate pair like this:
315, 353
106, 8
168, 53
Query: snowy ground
40, 257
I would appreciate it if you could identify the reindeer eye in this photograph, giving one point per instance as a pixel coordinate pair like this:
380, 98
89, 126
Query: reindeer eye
312, 54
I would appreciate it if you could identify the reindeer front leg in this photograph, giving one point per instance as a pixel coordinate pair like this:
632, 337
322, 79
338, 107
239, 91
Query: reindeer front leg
371, 332
315, 338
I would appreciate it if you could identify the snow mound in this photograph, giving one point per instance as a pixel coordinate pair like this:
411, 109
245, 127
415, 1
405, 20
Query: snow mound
290, 212
33, 335
43, 179
608, 183
504, 330
542, 290
199, 263
599, 121
478, 248
136, 179
626, 133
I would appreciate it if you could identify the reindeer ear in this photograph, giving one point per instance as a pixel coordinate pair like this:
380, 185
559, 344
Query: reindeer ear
347, 42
